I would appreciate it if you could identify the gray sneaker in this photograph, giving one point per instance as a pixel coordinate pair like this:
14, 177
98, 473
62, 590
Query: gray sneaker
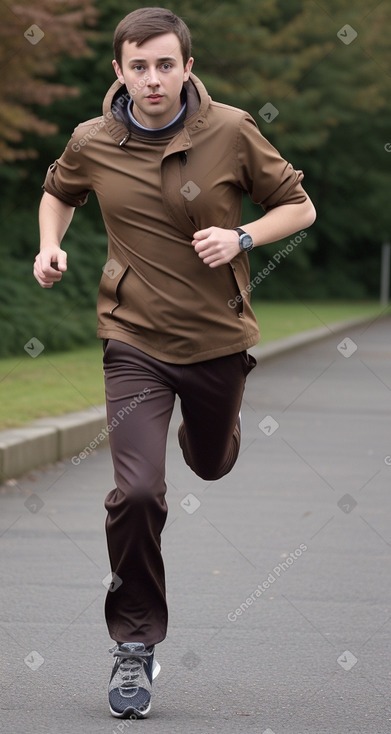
130, 684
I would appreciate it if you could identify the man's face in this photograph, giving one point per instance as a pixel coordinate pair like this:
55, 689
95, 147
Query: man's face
154, 75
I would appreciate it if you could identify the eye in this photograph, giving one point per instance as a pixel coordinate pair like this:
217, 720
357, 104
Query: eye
166, 66
138, 67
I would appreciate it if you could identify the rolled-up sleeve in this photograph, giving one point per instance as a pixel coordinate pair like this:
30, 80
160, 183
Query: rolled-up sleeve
262, 172
67, 178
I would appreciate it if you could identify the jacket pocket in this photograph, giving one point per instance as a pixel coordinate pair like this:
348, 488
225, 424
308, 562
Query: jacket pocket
236, 302
113, 275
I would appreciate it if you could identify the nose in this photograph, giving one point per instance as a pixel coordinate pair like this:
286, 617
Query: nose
153, 80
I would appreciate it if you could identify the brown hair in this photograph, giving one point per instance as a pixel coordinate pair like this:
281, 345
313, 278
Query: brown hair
145, 23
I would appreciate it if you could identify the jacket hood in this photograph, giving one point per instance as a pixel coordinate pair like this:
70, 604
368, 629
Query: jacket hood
116, 100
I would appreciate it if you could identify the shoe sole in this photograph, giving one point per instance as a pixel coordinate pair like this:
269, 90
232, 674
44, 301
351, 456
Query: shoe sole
131, 712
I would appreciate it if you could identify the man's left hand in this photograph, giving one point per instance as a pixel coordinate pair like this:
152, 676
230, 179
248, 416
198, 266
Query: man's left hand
216, 246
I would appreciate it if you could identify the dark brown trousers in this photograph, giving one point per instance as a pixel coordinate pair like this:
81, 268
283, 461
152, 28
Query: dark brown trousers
140, 395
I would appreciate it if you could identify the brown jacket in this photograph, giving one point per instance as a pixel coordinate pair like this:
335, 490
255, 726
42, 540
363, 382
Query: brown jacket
155, 292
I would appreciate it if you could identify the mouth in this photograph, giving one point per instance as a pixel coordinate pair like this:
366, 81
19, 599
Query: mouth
155, 97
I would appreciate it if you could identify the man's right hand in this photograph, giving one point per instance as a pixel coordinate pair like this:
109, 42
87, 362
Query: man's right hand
50, 264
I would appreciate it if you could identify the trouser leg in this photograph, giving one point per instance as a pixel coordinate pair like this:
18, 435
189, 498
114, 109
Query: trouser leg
140, 393
211, 394
139, 406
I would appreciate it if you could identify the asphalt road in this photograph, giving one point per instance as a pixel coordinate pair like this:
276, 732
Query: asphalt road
277, 575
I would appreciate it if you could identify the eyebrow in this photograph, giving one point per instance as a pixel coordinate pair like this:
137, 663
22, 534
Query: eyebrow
144, 61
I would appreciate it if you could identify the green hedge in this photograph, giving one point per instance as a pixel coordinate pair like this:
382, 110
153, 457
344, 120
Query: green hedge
60, 317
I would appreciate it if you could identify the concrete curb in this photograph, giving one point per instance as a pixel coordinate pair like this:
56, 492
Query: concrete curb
48, 440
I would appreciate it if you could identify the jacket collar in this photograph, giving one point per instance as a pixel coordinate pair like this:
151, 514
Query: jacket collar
198, 101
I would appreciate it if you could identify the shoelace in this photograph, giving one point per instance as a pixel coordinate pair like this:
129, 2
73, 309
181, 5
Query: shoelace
130, 666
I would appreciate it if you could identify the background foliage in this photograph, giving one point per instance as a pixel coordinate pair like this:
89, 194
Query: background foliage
334, 107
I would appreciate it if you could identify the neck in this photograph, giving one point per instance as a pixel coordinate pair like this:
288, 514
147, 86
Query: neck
151, 123
145, 124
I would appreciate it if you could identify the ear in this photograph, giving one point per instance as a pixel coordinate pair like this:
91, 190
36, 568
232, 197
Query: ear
118, 71
188, 69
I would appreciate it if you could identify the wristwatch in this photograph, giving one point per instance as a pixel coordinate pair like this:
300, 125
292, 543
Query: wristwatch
245, 240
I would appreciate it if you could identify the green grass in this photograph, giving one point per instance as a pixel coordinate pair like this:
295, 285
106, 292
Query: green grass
57, 383
277, 320
50, 384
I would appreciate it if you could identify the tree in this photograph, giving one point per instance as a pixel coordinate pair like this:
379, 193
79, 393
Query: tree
33, 39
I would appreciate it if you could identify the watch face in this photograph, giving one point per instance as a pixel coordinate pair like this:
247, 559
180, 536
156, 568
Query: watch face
246, 242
